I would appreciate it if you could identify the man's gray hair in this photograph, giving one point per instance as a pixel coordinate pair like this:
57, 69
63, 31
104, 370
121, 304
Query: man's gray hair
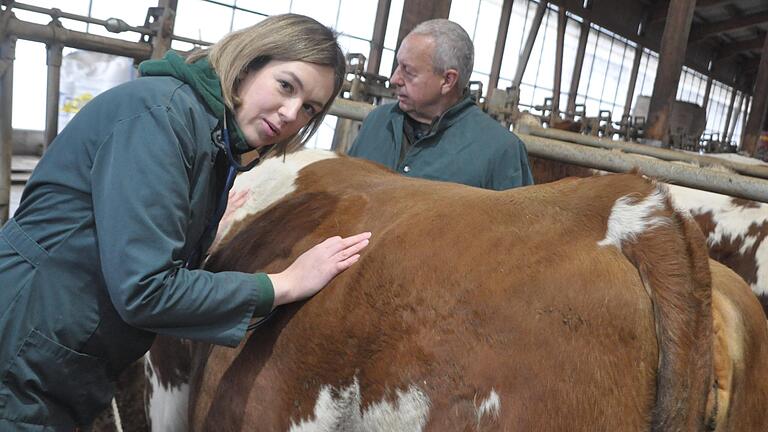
453, 47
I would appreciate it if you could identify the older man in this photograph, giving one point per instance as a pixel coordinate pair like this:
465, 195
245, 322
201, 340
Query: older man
435, 130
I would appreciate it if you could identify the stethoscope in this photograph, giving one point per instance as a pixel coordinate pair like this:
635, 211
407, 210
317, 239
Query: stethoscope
233, 167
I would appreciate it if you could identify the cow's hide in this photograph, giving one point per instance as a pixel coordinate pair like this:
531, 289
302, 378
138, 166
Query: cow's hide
575, 306
735, 228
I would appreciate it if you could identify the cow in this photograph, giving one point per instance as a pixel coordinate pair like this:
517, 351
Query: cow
735, 228
585, 304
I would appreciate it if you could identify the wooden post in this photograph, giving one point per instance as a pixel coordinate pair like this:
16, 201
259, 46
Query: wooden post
633, 80
577, 66
562, 19
526, 54
673, 44
731, 105
501, 40
418, 11
739, 107
744, 114
707, 91
759, 104
379, 33
161, 42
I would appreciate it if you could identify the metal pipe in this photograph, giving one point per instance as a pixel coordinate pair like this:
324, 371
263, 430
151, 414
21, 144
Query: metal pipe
642, 149
690, 176
350, 109
48, 34
7, 55
52, 93
110, 24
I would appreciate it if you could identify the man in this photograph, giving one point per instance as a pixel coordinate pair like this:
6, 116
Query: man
435, 130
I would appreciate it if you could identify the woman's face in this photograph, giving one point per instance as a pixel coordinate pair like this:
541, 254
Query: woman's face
281, 98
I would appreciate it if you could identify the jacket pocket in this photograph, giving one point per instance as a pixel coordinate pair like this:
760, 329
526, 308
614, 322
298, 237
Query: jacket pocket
48, 383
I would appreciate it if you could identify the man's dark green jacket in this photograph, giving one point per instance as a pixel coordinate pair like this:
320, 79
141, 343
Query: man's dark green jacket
91, 265
465, 146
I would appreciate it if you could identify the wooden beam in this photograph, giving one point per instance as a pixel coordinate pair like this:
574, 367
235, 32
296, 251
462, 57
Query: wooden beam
728, 116
562, 20
633, 80
703, 31
673, 46
739, 107
379, 33
759, 104
707, 92
418, 11
660, 14
501, 41
747, 101
735, 48
526, 54
577, 66
701, 4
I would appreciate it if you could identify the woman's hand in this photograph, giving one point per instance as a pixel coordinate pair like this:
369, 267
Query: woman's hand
313, 269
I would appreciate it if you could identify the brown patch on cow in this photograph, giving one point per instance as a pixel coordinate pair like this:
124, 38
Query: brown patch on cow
741, 202
728, 250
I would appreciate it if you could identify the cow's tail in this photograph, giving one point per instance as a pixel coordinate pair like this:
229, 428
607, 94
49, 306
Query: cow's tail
669, 252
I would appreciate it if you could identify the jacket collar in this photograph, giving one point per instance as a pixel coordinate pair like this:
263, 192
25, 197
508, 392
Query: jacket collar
446, 119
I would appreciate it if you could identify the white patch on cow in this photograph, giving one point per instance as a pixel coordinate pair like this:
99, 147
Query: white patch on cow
630, 218
732, 222
343, 412
761, 259
489, 407
268, 183
167, 408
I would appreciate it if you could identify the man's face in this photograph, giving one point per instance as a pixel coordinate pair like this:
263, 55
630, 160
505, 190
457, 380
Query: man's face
419, 89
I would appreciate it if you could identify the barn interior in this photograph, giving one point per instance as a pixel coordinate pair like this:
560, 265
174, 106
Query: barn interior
653, 77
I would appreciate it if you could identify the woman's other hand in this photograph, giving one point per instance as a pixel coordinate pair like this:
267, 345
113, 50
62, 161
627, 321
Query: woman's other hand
313, 269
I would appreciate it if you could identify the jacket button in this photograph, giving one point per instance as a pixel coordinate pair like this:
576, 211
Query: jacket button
407, 169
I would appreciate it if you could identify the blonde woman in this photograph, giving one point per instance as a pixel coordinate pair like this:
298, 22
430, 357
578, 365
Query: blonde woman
102, 253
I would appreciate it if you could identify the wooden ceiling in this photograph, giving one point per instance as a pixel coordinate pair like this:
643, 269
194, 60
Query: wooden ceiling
729, 34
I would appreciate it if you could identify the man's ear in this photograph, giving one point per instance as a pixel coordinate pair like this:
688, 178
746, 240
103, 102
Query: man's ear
450, 81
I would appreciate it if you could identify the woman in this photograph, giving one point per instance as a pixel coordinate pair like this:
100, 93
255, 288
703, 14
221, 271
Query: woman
101, 254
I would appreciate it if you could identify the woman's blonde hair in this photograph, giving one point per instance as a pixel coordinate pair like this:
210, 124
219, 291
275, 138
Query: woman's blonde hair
287, 37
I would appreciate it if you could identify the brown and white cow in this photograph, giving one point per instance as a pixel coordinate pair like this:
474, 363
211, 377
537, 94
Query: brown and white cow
581, 305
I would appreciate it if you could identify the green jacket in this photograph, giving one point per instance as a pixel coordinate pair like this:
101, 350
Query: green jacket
465, 146
91, 265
